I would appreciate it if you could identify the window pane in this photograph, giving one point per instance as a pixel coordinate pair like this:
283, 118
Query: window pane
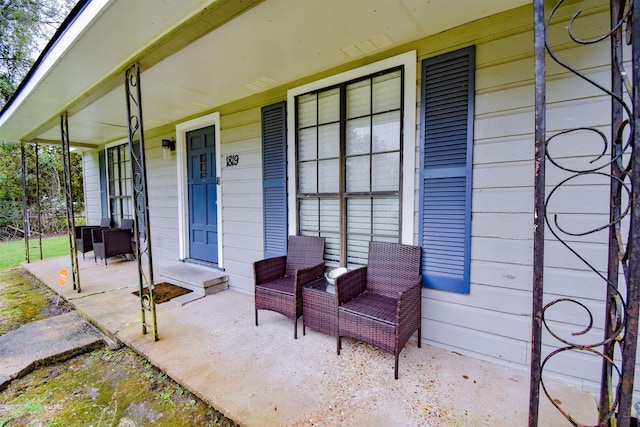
329, 106
386, 132
330, 215
307, 110
309, 215
358, 170
307, 177
386, 92
357, 250
386, 217
331, 249
358, 136
385, 174
359, 216
330, 230
329, 145
307, 144
329, 176
359, 99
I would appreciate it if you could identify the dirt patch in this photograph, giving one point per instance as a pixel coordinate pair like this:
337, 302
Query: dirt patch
24, 299
102, 388
164, 292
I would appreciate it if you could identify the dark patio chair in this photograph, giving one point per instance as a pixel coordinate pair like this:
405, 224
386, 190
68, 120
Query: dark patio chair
84, 241
380, 304
279, 280
112, 242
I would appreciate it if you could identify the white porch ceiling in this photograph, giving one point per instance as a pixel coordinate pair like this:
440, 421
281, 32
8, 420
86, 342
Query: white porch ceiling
248, 50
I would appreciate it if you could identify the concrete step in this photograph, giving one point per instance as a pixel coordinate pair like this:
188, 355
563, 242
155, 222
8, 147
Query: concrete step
201, 281
46, 341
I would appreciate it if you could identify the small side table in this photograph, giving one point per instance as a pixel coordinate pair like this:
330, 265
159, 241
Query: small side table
319, 308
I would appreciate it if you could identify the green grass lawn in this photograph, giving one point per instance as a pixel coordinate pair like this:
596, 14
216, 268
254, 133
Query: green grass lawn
13, 253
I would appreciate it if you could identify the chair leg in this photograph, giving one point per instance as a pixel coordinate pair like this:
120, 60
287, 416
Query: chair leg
396, 371
419, 337
338, 344
256, 317
295, 329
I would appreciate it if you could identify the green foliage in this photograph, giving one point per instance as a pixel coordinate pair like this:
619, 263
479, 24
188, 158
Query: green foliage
25, 27
49, 169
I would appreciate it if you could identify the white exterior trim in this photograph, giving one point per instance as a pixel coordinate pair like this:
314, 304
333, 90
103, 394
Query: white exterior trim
409, 60
212, 119
62, 45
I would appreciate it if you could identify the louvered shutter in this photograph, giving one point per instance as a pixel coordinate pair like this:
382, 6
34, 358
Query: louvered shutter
274, 179
445, 186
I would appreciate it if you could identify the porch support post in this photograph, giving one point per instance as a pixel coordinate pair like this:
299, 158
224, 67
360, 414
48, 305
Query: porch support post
538, 210
142, 227
71, 228
25, 211
633, 247
38, 210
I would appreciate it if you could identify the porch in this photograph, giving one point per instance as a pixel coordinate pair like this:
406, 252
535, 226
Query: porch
261, 376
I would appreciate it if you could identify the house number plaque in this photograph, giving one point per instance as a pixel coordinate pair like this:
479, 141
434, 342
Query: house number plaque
233, 160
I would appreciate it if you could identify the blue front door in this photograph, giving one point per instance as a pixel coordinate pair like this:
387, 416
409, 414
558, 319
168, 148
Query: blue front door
203, 211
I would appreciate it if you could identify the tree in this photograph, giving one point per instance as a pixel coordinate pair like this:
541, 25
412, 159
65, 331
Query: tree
25, 28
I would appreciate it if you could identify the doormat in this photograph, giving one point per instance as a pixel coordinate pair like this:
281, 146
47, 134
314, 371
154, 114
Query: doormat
163, 292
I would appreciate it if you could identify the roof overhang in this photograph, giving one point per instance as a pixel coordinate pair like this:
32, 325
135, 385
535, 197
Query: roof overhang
200, 54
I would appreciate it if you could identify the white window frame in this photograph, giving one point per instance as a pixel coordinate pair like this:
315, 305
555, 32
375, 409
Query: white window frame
212, 119
409, 61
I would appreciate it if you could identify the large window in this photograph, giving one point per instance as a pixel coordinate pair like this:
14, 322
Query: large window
349, 163
119, 177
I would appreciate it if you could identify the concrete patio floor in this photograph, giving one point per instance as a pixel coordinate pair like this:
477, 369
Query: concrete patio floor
261, 376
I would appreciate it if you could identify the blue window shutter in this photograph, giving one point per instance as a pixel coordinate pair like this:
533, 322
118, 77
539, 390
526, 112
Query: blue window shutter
274, 179
447, 101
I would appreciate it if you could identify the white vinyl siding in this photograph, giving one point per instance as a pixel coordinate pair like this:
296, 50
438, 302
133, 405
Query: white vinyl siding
242, 217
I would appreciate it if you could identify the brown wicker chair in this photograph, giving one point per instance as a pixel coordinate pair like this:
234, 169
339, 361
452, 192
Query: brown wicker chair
279, 280
381, 303
112, 242
84, 241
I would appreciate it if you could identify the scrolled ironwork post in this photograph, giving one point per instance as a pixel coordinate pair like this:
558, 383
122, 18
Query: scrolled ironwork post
538, 219
68, 195
25, 211
633, 246
617, 348
142, 229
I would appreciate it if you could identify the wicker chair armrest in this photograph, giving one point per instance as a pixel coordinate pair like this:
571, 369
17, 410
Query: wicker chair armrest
269, 269
308, 275
351, 284
410, 303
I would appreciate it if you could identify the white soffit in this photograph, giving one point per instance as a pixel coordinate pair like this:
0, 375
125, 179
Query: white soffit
277, 41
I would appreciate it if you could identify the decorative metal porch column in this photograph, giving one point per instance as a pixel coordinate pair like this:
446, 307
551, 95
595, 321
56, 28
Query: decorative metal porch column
613, 166
141, 205
25, 211
38, 210
68, 195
